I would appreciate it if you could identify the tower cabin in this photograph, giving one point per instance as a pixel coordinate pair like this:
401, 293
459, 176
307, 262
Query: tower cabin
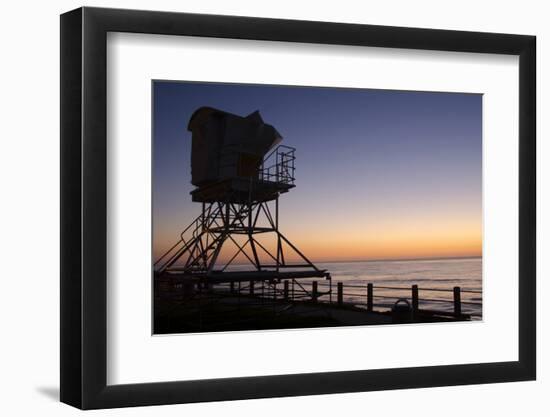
231, 160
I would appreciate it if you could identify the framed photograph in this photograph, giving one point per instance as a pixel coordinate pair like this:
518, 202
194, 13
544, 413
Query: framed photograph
259, 208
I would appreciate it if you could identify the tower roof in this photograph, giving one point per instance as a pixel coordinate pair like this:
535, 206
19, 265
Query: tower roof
202, 114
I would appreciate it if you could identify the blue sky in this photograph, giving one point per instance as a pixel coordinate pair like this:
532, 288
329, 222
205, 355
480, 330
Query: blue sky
380, 173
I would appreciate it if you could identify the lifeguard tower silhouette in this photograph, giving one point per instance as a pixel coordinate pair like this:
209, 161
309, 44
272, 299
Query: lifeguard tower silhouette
239, 173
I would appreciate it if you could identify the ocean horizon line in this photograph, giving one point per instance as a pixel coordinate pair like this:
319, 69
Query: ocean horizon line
443, 258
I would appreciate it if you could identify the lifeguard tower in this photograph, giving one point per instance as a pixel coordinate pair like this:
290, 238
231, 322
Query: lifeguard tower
239, 170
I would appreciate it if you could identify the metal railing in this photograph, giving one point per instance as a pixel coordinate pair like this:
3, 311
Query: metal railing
279, 166
388, 295
354, 295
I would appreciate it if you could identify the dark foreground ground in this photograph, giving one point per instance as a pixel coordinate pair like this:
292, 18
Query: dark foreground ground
224, 312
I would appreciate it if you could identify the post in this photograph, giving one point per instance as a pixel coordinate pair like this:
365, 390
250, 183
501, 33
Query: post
274, 290
251, 288
232, 287
329, 278
458, 306
415, 300
340, 293
370, 290
314, 291
286, 289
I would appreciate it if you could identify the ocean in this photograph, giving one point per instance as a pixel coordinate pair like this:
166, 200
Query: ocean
429, 275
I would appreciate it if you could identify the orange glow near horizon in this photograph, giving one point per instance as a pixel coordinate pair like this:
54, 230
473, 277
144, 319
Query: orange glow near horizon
406, 248
433, 239
400, 241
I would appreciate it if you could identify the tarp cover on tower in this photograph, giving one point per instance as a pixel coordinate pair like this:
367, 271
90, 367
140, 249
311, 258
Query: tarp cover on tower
225, 145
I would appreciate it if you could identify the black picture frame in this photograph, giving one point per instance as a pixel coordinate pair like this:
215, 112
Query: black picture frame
84, 207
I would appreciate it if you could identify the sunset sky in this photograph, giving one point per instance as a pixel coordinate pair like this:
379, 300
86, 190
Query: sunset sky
379, 174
